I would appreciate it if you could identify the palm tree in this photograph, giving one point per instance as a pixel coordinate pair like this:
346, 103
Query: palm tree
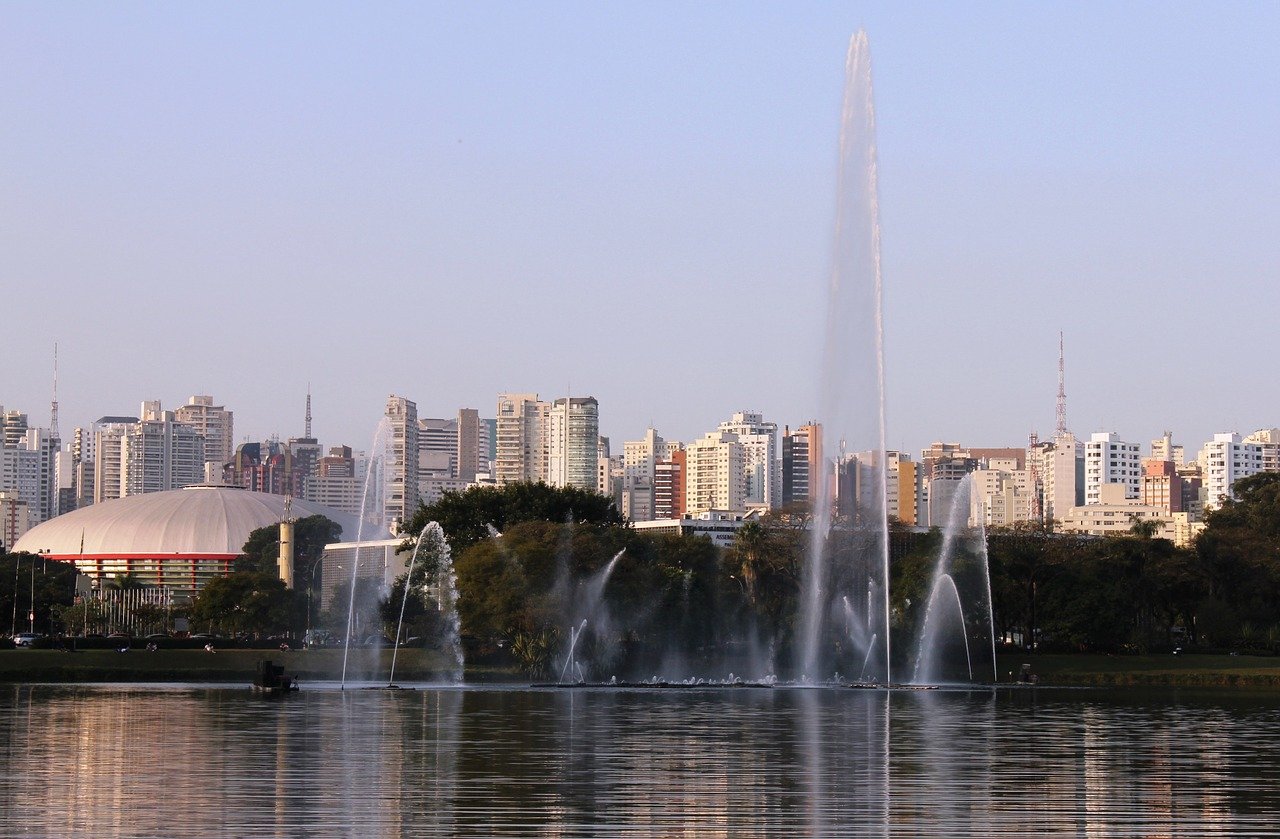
128, 581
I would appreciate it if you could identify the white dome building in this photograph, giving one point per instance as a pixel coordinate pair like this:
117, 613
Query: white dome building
179, 539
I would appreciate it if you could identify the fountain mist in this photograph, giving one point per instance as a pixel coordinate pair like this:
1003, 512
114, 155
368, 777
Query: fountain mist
852, 392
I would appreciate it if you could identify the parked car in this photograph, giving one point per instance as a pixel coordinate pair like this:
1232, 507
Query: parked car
25, 639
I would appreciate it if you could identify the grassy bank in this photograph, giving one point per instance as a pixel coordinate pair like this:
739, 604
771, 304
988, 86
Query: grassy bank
1147, 670
200, 666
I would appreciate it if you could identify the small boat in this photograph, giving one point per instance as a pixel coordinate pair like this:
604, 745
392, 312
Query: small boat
272, 681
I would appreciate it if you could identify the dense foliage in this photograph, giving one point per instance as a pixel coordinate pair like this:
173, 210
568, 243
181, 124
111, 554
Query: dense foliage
261, 552
468, 516
31, 583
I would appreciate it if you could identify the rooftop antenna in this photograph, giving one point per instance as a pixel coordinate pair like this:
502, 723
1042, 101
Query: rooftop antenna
307, 431
1061, 430
53, 411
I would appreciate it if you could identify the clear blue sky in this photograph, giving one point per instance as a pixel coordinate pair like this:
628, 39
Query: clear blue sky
635, 201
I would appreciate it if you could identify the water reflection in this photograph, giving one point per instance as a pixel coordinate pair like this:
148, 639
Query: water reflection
146, 761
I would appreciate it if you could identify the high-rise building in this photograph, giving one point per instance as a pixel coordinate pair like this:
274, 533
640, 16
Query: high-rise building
437, 448
1224, 460
573, 442
13, 427
15, 517
1060, 469
1110, 460
521, 434
108, 464
265, 467
801, 464
1268, 442
213, 422
400, 471
472, 454
158, 453
714, 478
761, 468
336, 483
669, 486
640, 459
28, 470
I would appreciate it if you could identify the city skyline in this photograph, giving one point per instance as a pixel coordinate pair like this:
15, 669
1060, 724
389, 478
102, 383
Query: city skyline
449, 207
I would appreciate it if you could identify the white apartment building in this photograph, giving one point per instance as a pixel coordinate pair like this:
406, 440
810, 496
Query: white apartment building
27, 471
761, 467
573, 443
1268, 441
13, 427
1000, 494
521, 449
213, 422
157, 453
1224, 460
400, 469
714, 479
1110, 460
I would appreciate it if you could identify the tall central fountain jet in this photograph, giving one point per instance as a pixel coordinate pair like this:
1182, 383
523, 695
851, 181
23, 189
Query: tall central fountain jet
845, 598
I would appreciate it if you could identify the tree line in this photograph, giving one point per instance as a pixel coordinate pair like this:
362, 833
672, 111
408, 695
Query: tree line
525, 555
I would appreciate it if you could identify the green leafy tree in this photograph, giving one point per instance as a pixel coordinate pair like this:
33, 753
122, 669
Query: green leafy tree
261, 552
1240, 552
467, 516
244, 602
29, 582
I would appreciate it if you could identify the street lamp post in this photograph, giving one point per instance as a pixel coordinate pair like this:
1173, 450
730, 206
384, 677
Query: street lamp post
31, 612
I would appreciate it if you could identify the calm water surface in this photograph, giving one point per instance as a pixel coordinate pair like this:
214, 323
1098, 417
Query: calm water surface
207, 761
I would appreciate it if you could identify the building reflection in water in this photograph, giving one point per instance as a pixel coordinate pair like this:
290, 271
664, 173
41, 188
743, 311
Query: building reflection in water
114, 762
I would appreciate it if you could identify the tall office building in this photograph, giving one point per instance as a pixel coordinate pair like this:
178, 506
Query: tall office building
437, 447
400, 470
521, 449
801, 464
573, 443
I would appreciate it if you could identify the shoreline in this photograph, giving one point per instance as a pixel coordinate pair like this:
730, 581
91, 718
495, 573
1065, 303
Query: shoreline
233, 666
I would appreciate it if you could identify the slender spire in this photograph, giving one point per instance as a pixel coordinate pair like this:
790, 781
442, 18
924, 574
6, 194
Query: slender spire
1061, 430
307, 429
53, 411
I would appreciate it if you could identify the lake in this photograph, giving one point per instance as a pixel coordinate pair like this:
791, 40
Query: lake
147, 760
